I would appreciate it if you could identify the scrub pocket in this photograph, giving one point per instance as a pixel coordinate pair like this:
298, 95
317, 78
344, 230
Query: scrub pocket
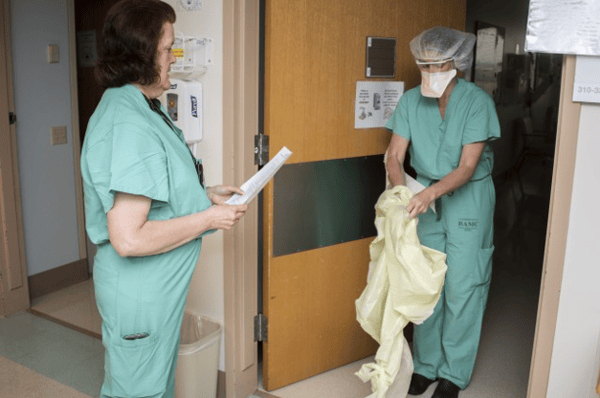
484, 266
134, 368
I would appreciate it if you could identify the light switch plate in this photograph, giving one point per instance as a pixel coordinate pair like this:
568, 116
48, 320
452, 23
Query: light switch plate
59, 135
52, 54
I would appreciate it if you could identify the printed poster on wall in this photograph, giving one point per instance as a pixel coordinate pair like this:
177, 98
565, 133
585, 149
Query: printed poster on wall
375, 102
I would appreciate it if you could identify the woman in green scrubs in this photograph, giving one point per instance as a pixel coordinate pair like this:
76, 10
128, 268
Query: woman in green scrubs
145, 202
446, 124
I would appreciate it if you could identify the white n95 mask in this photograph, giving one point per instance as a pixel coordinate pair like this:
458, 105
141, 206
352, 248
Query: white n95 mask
434, 84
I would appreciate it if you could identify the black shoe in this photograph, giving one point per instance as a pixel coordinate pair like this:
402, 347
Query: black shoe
446, 389
419, 384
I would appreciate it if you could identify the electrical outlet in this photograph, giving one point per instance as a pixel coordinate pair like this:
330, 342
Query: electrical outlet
59, 135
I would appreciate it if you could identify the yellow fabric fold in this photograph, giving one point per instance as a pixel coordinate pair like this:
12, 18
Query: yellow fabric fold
403, 285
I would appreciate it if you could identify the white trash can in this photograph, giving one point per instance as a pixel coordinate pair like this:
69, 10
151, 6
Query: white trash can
198, 362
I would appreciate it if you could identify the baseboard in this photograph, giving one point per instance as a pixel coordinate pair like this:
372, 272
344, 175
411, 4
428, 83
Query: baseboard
58, 278
65, 324
1, 300
221, 384
263, 394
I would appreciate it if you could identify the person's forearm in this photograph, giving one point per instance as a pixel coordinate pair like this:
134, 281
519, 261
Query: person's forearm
452, 181
155, 237
395, 171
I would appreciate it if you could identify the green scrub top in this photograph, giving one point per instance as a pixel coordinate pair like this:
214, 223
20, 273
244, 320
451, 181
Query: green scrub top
437, 143
129, 148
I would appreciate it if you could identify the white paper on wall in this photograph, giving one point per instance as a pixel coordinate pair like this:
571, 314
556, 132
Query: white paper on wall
586, 87
375, 102
563, 27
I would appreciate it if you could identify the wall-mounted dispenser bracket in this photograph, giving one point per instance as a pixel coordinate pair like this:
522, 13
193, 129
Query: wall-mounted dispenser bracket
193, 55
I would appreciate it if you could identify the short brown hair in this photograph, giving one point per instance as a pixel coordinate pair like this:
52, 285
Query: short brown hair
130, 37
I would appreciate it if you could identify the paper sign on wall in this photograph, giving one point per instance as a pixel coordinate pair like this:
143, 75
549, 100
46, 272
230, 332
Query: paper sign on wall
375, 102
586, 87
563, 27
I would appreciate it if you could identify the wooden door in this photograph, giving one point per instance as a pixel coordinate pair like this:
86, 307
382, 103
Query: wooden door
314, 55
14, 290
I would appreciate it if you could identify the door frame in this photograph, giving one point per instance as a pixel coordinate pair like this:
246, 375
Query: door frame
241, 32
241, 36
14, 289
556, 232
76, 140
10, 301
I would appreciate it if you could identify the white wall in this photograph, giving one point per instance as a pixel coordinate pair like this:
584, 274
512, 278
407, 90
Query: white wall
42, 100
576, 353
207, 295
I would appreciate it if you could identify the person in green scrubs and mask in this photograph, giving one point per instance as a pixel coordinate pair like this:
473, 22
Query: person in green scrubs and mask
446, 124
146, 204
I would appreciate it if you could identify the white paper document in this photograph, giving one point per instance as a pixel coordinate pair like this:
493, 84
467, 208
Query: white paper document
258, 181
416, 187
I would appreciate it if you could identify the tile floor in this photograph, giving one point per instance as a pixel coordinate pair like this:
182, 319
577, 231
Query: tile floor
37, 354
18, 381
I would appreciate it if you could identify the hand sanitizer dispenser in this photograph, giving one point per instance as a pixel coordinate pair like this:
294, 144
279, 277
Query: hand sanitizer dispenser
183, 102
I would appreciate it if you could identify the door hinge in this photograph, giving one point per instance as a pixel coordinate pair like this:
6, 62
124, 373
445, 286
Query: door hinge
12, 118
261, 149
260, 327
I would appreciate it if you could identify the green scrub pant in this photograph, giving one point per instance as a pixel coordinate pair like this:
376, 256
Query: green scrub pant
142, 295
446, 344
